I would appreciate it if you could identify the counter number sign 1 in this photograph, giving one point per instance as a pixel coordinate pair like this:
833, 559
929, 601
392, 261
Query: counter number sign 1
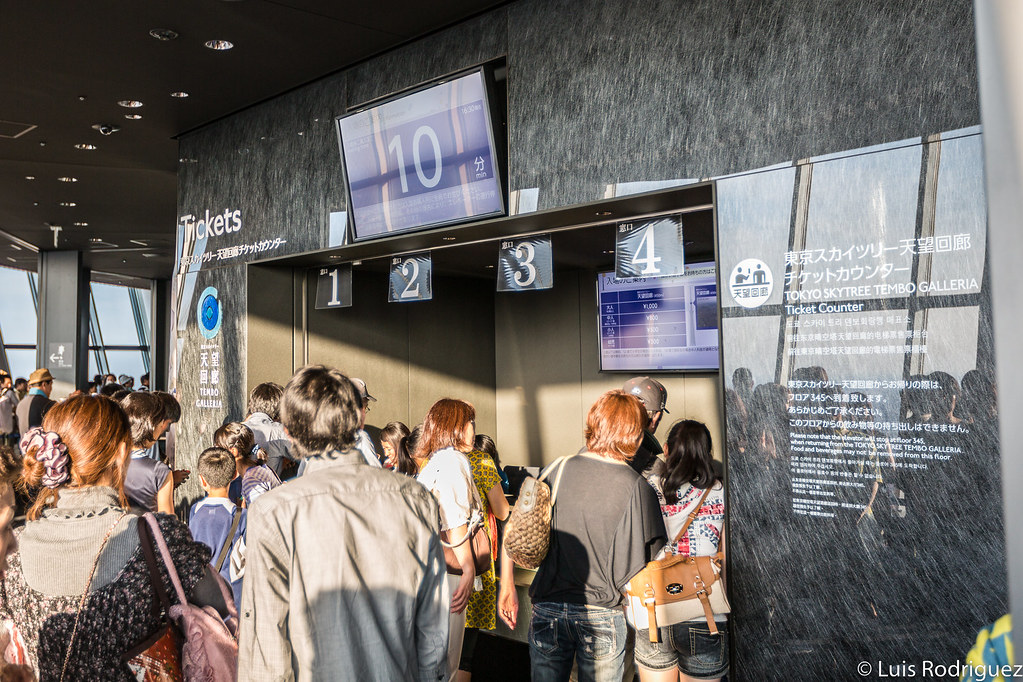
649, 248
334, 287
411, 278
525, 264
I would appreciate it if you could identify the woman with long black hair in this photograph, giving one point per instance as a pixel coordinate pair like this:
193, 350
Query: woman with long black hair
687, 650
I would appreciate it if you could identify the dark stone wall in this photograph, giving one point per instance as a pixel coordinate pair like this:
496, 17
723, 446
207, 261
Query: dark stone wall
598, 93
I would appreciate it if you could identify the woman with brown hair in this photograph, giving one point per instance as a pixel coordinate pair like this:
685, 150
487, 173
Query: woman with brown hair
78, 589
448, 433
605, 527
149, 483
254, 476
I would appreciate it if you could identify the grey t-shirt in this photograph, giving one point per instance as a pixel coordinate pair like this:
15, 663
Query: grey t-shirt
144, 479
606, 525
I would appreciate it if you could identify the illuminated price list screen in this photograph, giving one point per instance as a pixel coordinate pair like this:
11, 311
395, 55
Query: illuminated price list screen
662, 324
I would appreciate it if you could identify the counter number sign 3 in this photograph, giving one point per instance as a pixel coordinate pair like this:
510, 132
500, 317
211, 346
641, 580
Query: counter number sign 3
649, 248
525, 264
411, 278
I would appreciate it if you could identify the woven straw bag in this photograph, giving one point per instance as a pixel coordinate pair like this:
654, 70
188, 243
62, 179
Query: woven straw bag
527, 535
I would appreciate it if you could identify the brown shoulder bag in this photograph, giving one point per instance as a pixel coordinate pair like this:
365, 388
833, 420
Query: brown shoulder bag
676, 588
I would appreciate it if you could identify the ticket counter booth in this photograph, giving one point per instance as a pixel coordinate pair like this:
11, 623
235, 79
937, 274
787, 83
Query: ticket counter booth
529, 361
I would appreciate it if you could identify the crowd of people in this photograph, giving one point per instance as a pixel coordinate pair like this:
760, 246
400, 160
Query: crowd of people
344, 562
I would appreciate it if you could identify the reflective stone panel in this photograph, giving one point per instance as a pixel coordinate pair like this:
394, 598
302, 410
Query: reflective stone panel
862, 441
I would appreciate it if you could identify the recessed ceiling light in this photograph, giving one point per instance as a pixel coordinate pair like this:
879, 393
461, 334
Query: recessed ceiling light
85, 146
179, 94
603, 213
219, 44
30, 177
129, 103
82, 98
489, 267
133, 117
96, 240
81, 223
138, 241
336, 257
67, 178
68, 204
163, 34
448, 239
185, 159
150, 255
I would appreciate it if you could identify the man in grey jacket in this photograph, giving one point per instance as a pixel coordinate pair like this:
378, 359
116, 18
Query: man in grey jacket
345, 572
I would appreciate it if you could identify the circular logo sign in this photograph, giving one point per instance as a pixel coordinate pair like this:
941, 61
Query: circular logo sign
208, 313
751, 283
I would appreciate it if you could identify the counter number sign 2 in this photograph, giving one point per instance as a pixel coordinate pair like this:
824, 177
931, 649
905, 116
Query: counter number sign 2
649, 248
334, 287
525, 264
411, 278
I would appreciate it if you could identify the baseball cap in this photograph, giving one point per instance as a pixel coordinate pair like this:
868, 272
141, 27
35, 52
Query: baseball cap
650, 392
360, 386
39, 376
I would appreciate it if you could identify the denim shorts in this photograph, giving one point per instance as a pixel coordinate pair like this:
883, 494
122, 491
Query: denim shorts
689, 646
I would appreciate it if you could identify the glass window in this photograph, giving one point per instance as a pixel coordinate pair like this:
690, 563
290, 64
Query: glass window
116, 322
122, 362
22, 362
17, 312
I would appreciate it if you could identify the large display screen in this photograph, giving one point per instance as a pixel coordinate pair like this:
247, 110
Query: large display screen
422, 160
663, 324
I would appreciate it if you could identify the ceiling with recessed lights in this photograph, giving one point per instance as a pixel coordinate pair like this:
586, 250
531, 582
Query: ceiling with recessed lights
95, 93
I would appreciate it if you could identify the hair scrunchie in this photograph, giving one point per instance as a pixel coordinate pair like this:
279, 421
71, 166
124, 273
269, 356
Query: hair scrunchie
52, 454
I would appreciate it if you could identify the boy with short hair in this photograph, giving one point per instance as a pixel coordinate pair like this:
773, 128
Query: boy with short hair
214, 520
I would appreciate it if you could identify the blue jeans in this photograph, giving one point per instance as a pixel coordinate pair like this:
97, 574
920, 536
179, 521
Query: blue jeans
559, 633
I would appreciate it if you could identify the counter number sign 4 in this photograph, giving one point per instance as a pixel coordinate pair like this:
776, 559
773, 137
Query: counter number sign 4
649, 248
525, 264
334, 287
411, 278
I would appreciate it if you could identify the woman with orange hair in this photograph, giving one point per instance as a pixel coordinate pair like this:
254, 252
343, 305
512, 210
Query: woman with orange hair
448, 433
78, 589
606, 525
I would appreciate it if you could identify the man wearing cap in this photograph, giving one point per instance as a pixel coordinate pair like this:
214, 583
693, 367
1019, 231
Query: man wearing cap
654, 397
8, 403
33, 408
367, 441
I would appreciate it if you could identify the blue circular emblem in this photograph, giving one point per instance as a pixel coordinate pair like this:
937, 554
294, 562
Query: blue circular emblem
208, 313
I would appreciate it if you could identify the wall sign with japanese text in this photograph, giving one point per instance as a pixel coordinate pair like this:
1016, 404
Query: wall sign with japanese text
411, 278
861, 413
334, 287
649, 248
525, 264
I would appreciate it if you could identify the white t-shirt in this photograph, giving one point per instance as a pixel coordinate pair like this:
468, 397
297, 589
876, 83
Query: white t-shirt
449, 477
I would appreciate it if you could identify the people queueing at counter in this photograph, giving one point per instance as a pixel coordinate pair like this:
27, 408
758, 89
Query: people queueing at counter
365, 567
399, 600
